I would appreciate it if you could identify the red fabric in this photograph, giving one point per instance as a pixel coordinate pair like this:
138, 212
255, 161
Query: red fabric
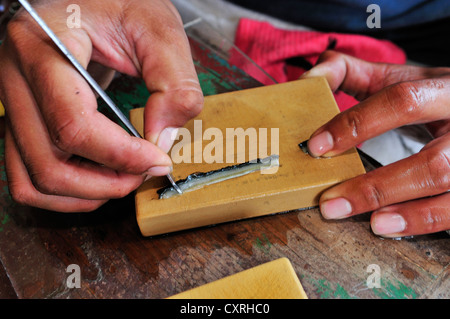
270, 48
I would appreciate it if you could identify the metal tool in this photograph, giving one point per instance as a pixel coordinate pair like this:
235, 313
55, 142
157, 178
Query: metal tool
88, 78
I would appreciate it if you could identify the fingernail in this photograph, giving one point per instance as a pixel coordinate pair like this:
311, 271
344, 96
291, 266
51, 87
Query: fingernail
159, 170
166, 138
314, 72
336, 208
304, 146
321, 143
304, 75
385, 224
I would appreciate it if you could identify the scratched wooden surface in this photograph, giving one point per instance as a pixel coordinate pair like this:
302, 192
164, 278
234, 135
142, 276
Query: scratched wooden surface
330, 258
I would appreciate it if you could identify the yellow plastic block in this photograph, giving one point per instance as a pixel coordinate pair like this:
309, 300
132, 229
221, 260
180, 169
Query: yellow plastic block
273, 280
2, 109
293, 110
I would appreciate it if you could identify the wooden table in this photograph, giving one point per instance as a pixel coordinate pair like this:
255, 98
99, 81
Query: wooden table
333, 259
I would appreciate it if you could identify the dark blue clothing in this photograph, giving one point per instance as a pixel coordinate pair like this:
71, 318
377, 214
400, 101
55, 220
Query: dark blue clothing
351, 15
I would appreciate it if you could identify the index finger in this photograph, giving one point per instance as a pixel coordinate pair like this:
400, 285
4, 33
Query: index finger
69, 110
407, 102
75, 125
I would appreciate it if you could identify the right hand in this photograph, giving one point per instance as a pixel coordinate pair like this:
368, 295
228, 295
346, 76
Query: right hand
62, 154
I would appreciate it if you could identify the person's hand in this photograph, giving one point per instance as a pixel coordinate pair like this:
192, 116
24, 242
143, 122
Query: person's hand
408, 197
61, 153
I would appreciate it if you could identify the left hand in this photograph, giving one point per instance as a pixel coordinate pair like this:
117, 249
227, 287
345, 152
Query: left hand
409, 197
